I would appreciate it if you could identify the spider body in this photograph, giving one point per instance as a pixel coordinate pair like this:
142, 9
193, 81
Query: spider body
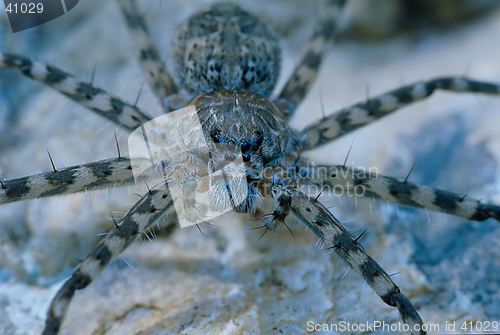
230, 60
278, 149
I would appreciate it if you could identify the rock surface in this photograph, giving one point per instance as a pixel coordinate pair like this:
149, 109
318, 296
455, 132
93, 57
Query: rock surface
228, 284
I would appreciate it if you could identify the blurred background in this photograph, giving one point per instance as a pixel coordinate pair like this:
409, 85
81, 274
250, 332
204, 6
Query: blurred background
191, 283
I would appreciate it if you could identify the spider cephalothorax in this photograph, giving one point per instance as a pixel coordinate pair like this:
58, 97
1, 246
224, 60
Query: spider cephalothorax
238, 118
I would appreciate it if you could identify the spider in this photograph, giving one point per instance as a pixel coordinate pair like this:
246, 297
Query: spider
304, 207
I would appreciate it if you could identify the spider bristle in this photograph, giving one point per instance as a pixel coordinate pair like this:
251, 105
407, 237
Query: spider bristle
127, 262
149, 190
261, 236
346, 272
139, 94
364, 231
114, 221
348, 153
117, 145
320, 193
199, 229
92, 76
409, 172
51, 161
291, 233
147, 236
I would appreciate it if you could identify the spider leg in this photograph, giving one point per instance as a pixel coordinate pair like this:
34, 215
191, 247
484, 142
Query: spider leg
361, 183
335, 237
141, 216
281, 209
361, 114
95, 99
92, 176
157, 76
305, 72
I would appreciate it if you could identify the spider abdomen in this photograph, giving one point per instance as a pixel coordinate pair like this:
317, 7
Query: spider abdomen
226, 48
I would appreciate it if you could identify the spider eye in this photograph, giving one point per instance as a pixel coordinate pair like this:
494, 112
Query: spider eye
245, 147
217, 138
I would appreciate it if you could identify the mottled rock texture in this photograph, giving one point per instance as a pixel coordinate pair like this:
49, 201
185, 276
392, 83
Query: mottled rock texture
224, 282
